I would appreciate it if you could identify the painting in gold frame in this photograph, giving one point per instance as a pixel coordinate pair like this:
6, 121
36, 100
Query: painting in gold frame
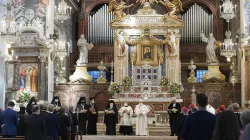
146, 53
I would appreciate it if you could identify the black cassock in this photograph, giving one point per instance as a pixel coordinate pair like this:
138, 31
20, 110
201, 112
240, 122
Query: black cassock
179, 125
93, 118
173, 116
82, 117
111, 120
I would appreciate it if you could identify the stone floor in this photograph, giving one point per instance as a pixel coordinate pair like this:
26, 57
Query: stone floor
128, 138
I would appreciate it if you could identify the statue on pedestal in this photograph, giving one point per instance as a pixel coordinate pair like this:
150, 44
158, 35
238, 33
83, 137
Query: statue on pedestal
192, 78
81, 73
83, 48
172, 42
210, 52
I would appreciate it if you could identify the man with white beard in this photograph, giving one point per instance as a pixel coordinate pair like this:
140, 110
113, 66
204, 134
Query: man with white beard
141, 111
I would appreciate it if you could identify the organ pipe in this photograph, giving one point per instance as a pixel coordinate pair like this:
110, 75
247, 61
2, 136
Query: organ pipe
99, 31
196, 20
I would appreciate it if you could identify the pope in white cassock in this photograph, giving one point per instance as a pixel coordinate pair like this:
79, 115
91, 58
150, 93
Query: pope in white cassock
141, 111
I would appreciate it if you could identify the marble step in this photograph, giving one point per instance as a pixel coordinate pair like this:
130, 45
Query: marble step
128, 138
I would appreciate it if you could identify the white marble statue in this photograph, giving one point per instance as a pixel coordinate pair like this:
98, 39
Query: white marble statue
37, 22
227, 7
172, 43
121, 43
84, 46
210, 52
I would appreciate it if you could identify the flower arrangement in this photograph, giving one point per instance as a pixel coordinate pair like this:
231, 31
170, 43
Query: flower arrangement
174, 88
126, 82
114, 88
164, 81
24, 97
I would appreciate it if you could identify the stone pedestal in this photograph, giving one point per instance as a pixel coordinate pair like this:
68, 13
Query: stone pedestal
81, 73
213, 72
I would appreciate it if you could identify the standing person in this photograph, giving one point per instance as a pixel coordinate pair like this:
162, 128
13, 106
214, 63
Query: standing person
64, 123
1, 120
82, 114
126, 113
21, 125
180, 121
174, 110
210, 108
236, 108
227, 127
141, 112
35, 125
74, 123
111, 118
43, 108
51, 122
9, 119
31, 103
199, 125
222, 108
191, 109
93, 118
56, 102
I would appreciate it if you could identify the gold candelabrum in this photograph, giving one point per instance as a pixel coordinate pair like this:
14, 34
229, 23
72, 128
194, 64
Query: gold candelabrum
233, 79
101, 78
192, 78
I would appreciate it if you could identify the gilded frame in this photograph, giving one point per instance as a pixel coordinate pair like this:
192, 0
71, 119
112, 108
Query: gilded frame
140, 53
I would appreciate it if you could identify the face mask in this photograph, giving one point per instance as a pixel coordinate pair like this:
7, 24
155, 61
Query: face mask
33, 103
56, 100
111, 105
125, 104
92, 101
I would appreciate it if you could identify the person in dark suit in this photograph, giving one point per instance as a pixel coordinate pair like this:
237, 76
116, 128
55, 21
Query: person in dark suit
199, 125
52, 123
31, 103
74, 123
35, 125
82, 112
174, 110
93, 118
1, 120
9, 119
21, 125
64, 123
43, 110
236, 108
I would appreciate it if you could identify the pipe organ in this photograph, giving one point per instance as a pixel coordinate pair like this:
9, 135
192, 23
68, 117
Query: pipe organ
196, 19
99, 31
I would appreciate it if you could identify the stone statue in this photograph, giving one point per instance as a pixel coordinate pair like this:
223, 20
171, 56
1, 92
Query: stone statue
121, 44
175, 6
172, 43
83, 48
210, 52
118, 9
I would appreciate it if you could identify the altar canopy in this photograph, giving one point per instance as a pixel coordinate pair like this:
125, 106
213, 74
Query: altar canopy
146, 48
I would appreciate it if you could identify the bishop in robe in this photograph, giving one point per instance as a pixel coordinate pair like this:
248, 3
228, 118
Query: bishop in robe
93, 117
111, 118
30, 105
174, 110
82, 114
141, 112
56, 102
126, 113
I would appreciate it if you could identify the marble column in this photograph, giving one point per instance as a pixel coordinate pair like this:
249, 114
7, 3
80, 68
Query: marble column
42, 78
243, 74
2, 77
50, 30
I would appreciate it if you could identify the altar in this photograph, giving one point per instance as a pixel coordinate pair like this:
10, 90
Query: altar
147, 59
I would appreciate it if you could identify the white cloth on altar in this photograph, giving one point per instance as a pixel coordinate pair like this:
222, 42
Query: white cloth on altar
141, 111
126, 118
210, 109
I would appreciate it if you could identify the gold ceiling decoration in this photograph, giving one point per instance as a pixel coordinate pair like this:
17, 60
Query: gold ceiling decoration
149, 1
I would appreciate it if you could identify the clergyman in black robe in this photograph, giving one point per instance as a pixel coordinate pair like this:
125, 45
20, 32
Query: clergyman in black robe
93, 118
173, 110
180, 122
56, 102
30, 105
21, 125
111, 118
82, 114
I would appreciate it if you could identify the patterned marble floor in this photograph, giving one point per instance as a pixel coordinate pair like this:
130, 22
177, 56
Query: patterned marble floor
128, 138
